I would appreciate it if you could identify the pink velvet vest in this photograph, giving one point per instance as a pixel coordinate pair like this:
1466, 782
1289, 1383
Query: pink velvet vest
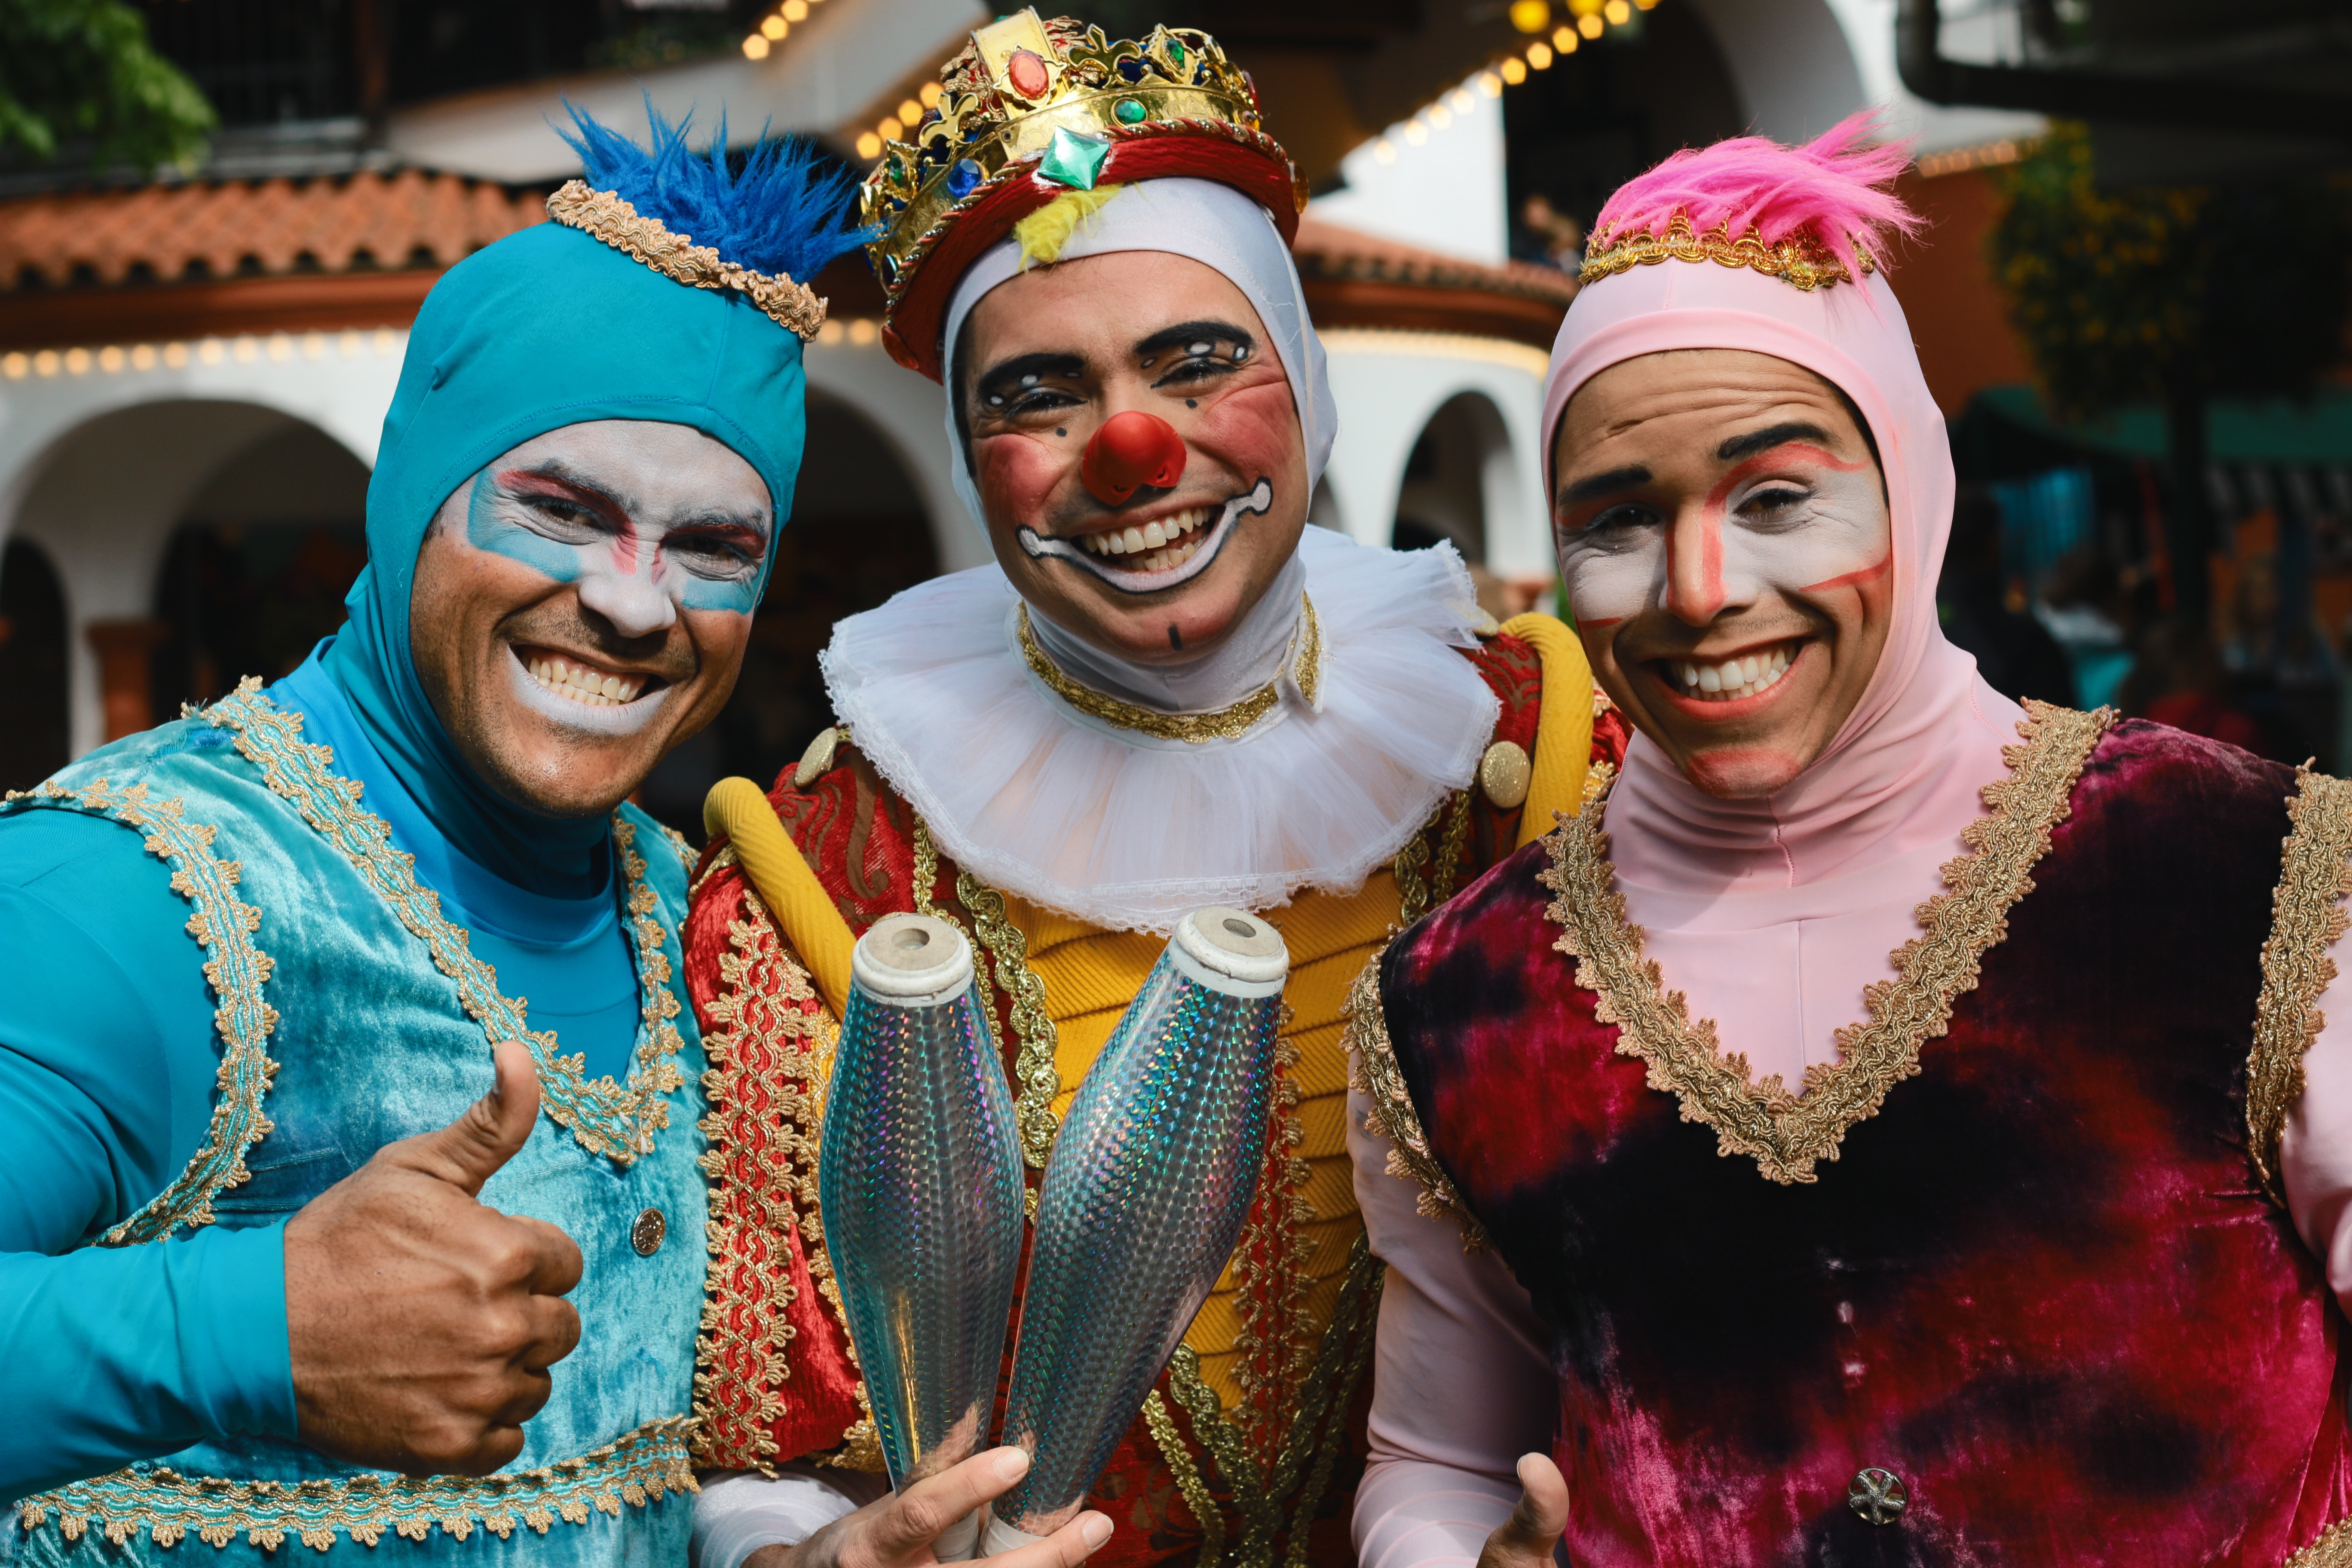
2034, 1309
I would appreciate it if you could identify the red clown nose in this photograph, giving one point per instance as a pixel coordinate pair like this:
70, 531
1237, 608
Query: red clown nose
1131, 450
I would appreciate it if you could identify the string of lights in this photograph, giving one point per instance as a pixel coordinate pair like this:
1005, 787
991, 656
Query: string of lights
281, 348
775, 27
1585, 21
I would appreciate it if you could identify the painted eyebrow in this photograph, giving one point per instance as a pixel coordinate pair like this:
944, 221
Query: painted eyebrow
1600, 485
582, 488
1771, 436
717, 520
1046, 364
1183, 335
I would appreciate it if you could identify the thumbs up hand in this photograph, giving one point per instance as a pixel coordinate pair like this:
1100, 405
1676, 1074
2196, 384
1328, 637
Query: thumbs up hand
422, 1323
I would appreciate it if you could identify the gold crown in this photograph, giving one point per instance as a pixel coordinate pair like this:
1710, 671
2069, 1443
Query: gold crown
1031, 107
1800, 260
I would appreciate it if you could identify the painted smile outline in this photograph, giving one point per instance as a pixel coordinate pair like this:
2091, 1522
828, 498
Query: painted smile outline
1256, 502
618, 719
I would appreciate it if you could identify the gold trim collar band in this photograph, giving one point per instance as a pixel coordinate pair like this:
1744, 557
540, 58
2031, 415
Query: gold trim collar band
1800, 261
792, 306
1192, 728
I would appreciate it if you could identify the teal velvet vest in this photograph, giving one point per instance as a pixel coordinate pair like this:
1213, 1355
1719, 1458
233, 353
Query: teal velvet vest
351, 1014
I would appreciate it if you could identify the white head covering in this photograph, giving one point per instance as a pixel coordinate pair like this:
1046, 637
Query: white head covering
1212, 224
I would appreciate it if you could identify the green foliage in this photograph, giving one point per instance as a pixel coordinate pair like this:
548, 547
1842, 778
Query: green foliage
2151, 295
83, 70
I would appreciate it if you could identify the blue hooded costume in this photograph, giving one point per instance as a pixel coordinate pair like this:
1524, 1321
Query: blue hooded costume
318, 921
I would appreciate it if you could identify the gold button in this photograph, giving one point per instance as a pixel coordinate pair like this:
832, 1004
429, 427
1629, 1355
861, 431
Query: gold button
647, 1235
1505, 773
1878, 1495
817, 758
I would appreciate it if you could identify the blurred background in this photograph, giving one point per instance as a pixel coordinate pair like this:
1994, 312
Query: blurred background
217, 218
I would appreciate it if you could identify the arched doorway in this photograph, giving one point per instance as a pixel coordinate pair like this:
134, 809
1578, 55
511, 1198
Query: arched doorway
255, 572
858, 534
1462, 473
33, 700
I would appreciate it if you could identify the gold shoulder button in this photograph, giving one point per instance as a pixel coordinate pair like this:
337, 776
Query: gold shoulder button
819, 756
1505, 773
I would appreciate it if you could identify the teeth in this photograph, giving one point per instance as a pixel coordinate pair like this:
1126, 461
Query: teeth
1734, 678
583, 684
1163, 537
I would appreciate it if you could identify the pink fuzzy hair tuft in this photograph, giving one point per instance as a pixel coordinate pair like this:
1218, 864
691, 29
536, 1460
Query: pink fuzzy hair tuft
1832, 187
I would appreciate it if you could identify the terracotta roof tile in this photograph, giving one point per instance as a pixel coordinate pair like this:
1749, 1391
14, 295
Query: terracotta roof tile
395, 220
1327, 249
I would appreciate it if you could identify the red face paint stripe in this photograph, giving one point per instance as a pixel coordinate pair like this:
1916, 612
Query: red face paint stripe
1851, 578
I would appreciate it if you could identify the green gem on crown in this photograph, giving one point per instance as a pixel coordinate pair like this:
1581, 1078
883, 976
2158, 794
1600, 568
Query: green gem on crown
1074, 160
1129, 111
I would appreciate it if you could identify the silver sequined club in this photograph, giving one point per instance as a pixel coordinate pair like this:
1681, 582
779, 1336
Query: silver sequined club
919, 1178
1150, 1178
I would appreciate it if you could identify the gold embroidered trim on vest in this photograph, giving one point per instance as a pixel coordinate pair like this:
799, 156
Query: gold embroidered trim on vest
2307, 917
1425, 875
237, 969
606, 216
1800, 261
635, 1469
1787, 1134
1189, 1484
1310, 1450
2332, 1550
1271, 1281
615, 1121
763, 1041
1372, 1071
1036, 1080
1192, 728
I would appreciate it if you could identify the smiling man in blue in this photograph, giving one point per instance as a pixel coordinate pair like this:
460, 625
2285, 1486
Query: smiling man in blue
352, 1104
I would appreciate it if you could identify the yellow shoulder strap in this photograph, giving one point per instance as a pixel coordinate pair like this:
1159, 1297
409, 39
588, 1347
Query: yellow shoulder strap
1564, 731
804, 912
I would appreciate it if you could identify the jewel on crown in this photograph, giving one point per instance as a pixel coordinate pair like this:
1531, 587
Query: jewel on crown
1032, 97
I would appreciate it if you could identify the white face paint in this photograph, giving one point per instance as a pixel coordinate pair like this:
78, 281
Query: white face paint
1791, 521
647, 519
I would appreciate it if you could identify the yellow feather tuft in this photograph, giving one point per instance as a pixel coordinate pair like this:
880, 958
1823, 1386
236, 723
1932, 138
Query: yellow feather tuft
1043, 233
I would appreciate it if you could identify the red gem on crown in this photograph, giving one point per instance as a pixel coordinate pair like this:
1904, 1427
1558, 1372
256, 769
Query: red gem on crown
1026, 71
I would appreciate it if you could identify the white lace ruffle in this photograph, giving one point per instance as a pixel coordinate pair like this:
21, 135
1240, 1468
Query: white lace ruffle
1129, 833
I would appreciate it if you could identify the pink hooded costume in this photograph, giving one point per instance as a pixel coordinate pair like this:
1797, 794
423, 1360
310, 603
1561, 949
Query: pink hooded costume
1691, 1289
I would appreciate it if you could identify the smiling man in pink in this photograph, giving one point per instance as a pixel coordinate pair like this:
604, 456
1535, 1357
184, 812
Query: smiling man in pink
1889, 1126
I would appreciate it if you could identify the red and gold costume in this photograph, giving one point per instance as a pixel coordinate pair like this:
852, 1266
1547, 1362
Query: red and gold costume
1249, 1446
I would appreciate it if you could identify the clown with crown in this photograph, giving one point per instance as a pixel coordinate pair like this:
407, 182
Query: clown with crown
1168, 692
353, 1186
1888, 1125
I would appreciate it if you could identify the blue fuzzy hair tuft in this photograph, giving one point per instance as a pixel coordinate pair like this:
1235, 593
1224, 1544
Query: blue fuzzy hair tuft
784, 211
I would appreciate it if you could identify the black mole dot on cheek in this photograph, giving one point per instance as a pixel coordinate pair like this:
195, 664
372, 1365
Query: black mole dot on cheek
1061, 432
1191, 403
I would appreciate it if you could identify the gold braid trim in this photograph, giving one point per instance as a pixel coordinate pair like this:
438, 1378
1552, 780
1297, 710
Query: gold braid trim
2333, 1547
614, 1120
1035, 1079
635, 1469
1310, 1450
1189, 1484
1192, 728
223, 924
606, 216
2315, 875
761, 1012
1372, 1071
1800, 261
1271, 1349
1786, 1134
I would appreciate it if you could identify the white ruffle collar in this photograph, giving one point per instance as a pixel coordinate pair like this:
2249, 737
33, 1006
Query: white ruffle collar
1128, 832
